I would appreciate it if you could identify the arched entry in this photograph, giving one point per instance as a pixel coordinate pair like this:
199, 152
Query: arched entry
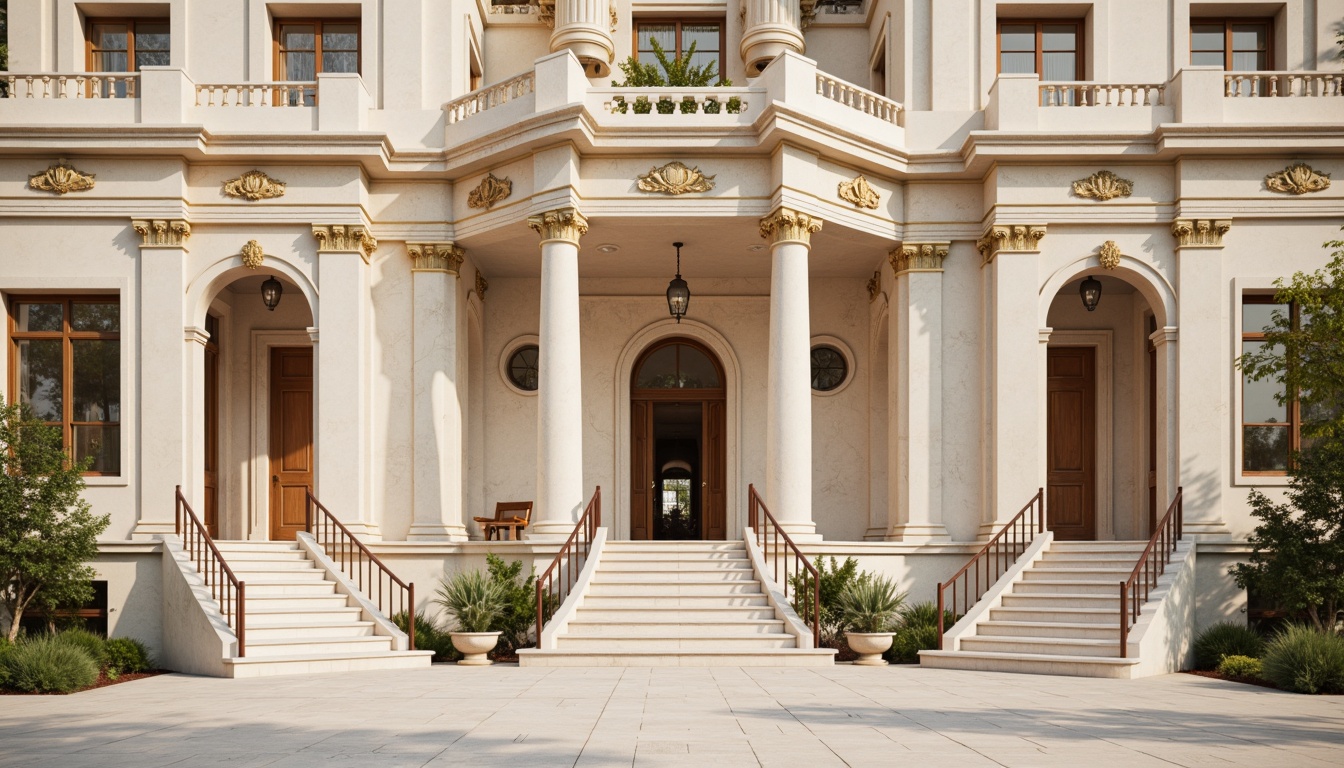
678, 443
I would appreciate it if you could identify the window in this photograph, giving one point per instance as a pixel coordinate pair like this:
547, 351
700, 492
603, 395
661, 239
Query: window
676, 38
66, 359
677, 366
1269, 430
829, 368
124, 45
304, 49
523, 367
1051, 49
1235, 45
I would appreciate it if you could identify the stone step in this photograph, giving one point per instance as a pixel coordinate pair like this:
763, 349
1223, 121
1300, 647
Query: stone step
282, 576
334, 612
1092, 615
760, 657
281, 626
295, 645
1098, 546
290, 588
1116, 575
1077, 630
674, 613
604, 576
680, 628
1068, 600
738, 556
648, 547
227, 546
1066, 586
311, 663
622, 643
987, 661
644, 600
627, 588
274, 603
296, 563
689, 565
1086, 564
1048, 646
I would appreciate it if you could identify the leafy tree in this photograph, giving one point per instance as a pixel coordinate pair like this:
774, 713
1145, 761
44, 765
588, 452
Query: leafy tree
4, 35
520, 599
47, 531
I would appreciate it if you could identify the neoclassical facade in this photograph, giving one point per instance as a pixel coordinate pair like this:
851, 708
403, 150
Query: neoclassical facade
414, 255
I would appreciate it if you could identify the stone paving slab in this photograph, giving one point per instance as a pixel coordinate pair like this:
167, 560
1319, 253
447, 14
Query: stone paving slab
723, 716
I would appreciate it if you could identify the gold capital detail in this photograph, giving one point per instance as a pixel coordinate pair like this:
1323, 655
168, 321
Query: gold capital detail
918, 257
1297, 179
252, 254
490, 191
168, 233
1109, 256
674, 179
560, 224
1103, 185
874, 286
482, 285
1010, 237
785, 225
1200, 233
859, 192
254, 185
345, 237
61, 179
436, 257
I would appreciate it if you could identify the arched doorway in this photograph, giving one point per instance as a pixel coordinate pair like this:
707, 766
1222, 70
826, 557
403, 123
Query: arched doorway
678, 443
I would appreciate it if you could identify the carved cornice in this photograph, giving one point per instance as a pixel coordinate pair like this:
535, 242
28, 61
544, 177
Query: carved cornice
546, 12
345, 237
1103, 185
1297, 179
162, 233
787, 225
918, 257
561, 224
1109, 255
482, 285
254, 185
436, 257
252, 254
1200, 233
490, 191
874, 286
674, 179
61, 179
859, 192
1003, 238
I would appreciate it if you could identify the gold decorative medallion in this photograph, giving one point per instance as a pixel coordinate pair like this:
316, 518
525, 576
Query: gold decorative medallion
254, 185
61, 179
490, 191
252, 254
1298, 179
1109, 255
481, 285
858, 192
675, 179
1103, 185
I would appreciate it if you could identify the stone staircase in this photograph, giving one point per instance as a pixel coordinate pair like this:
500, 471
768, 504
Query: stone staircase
1061, 617
676, 604
298, 621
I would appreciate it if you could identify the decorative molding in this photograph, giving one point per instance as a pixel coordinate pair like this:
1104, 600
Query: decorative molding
787, 225
252, 254
546, 12
561, 224
490, 191
160, 233
859, 192
254, 185
615, 17
345, 237
196, 334
1200, 233
1109, 256
1297, 179
675, 179
808, 13
918, 257
482, 285
874, 286
62, 179
1010, 238
1103, 185
436, 257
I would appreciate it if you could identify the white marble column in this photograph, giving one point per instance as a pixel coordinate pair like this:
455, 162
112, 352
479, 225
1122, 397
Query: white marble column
162, 410
560, 489
437, 507
916, 435
788, 427
1166, 342
771, 28
341, 386
585, 27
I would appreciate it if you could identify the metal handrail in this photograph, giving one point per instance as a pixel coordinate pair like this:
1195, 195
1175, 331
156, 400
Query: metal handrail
997, 556
758, 513
228, 591
549, 586
358, 563
1166, 536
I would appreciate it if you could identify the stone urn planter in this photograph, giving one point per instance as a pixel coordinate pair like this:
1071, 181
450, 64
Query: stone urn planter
474, 645
868, 645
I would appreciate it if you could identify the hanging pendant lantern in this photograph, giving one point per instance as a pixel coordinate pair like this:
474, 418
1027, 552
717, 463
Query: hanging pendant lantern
1090, 290
678, 293
271, 291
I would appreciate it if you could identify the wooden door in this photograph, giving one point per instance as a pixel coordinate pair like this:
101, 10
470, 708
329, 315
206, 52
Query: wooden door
1071, 450
714, 471
210, 455
641, 470
291, 438
1152, 438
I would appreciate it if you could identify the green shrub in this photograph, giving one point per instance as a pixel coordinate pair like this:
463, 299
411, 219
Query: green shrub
871, 605
1239, 666
126, 656
428, 637
1226, 639
926, 614
47, 665
520, 600
94, 645
1305, 660
835, 581
473, 600
909, 640
6, 647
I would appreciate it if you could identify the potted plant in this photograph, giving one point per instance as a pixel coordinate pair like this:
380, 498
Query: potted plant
476, 603
868, 611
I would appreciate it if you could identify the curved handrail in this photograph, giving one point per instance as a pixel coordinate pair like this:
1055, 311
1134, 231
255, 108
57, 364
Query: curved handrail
756, 510
1164, 540
228, 591
998, 555
550, 592
358, 562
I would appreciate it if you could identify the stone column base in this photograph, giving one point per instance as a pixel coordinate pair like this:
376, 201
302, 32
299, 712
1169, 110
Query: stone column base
426, 532
923, 533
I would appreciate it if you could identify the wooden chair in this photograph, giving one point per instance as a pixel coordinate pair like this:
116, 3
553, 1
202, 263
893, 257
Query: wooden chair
510, 516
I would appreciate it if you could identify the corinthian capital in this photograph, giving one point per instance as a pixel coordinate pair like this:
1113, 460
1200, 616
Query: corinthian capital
436, 257
170, 233
787, 225
918, 257
561, 224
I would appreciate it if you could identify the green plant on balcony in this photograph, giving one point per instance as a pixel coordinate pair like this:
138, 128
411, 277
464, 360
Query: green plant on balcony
676, 72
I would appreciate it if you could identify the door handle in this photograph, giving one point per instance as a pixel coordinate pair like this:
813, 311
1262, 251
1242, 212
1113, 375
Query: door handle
275, 478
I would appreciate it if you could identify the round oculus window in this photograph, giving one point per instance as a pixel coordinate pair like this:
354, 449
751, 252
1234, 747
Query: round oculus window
829, 368
523, 367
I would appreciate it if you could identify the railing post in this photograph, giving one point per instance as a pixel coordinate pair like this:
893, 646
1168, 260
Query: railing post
940, 616
1124, 621
242, 619
410, 615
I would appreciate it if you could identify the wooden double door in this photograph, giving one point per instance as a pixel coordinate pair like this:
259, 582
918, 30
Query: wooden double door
291, 439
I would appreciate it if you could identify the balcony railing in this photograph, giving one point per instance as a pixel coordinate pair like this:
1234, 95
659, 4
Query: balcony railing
282, 94
1282, 84
76, 85
673, 101
489, 97
1071, 94
857, 98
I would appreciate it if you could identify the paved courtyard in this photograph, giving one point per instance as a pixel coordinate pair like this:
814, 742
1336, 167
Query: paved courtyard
725, 717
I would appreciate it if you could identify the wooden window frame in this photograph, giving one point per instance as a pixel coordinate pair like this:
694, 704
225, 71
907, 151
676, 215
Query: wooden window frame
1080, 51
131, 22
278, 67
67, 336
721, 21
1227, 22
1293, 411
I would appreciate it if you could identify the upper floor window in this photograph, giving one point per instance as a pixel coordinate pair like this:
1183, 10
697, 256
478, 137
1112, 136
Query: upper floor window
65, 359
676, 38
304, 49
126, 45
1052, 49
1270, 429
1233, 44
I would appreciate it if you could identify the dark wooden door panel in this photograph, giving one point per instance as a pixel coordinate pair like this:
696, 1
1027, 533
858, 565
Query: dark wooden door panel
714, 459
641, 470
291, 438
1071, 397
210, 455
